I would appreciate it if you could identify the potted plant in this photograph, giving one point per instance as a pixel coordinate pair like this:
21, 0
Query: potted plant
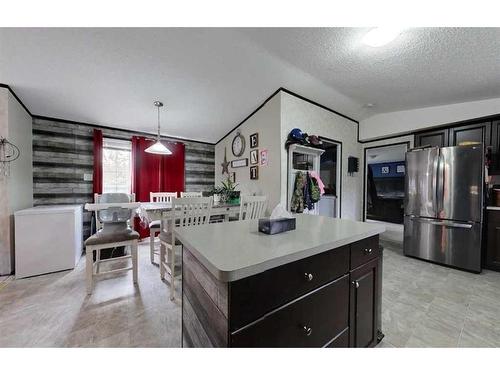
217, 192
229, 191
226, 192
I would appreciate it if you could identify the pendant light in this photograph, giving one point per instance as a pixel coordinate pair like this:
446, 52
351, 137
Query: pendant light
158, 147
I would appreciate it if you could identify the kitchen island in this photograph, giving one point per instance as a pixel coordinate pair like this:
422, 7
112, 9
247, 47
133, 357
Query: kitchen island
316, 286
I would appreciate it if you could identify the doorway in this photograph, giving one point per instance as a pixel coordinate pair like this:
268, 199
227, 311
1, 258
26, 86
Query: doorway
384, 190
330, 173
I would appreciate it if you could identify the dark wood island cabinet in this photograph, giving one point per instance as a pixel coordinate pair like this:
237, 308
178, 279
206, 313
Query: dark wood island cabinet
324, 297
492, 251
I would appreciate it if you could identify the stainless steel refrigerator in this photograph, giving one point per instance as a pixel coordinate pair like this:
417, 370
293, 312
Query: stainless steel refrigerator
444, 205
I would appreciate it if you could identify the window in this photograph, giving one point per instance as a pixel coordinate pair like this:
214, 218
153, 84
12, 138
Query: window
116, 166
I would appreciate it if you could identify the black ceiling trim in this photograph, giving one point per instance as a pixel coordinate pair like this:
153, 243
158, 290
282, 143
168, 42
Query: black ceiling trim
250, 115
94, 125
297, 96
17, 97
119, 129
318, 105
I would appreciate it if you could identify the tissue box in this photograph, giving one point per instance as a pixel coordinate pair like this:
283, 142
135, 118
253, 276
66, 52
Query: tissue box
273, 226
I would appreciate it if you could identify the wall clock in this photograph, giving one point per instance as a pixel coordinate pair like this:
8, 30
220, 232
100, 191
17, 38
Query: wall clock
238, 145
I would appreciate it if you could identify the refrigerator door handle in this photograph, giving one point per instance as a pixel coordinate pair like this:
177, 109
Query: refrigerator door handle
435, 183
440, 185
453, 225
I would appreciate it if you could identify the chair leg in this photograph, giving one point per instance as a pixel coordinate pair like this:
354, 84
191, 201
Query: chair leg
89, 268
172, 273
152, 245
162, 260
133, 250
97, 260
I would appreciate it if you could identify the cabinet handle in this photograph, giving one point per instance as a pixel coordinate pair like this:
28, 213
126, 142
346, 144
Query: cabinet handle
308, 276
368, 251
307, 330
356, 284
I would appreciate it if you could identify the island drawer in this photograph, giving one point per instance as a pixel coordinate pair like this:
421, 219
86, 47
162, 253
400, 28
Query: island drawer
364, 251
254, 296
310, 321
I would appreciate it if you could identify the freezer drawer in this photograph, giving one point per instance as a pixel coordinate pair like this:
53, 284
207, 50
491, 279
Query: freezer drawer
443, 241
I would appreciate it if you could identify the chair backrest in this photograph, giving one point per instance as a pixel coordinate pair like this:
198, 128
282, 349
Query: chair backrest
162, 197
189, 212
191, 194
114, 214
252, 207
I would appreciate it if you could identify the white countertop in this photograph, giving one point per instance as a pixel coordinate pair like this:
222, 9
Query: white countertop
493, 208
235, 250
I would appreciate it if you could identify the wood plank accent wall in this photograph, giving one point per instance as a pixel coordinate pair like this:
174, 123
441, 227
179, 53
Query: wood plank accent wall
62, 154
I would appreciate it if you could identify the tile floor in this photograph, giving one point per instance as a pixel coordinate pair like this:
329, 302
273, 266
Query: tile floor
423, 305
427, 305
54, 310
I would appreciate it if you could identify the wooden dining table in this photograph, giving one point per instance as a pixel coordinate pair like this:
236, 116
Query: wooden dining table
151, 211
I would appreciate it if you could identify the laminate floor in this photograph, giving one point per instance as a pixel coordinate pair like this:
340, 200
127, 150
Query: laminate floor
53, 310
427, 305
424, 305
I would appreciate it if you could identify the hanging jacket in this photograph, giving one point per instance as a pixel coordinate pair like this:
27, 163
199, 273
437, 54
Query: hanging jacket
307, 193
319, 180
297, 203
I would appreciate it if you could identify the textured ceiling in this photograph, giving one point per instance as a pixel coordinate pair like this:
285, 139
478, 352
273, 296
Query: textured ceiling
422, 67
210, 79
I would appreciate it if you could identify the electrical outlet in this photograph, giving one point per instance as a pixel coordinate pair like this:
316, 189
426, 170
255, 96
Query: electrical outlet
88, 177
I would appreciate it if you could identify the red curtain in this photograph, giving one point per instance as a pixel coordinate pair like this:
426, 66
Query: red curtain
155, 173
97, 174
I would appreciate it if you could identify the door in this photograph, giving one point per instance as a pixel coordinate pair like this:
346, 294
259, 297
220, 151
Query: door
470, 133
460, 183
443, 241
420, 182
433, 138
364, 305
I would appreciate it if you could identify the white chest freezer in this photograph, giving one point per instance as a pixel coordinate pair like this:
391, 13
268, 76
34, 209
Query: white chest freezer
47, 239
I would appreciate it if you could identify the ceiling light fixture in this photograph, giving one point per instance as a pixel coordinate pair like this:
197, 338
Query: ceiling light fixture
158, 147
380, 36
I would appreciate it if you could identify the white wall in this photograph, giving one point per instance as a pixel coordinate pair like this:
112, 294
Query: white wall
16, 191
393, 123
266, 122
297, 113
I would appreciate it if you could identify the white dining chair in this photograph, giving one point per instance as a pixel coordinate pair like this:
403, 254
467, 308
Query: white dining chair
154, 226
252, 207
185, 212
162, 197
191, 194
114, 212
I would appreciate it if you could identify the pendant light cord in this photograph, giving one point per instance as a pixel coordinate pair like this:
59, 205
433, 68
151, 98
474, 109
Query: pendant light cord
158, 123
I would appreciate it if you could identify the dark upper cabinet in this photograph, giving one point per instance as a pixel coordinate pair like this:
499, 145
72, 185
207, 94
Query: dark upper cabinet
364, 305
492, 260
470, 133
436, 138
495, 147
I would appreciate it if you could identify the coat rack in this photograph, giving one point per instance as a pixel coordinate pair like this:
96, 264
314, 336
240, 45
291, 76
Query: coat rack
8, 153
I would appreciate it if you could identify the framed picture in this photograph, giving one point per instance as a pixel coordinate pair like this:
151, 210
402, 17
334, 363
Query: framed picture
254, 157
254, 140
254, 173
239, 163
263, 157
